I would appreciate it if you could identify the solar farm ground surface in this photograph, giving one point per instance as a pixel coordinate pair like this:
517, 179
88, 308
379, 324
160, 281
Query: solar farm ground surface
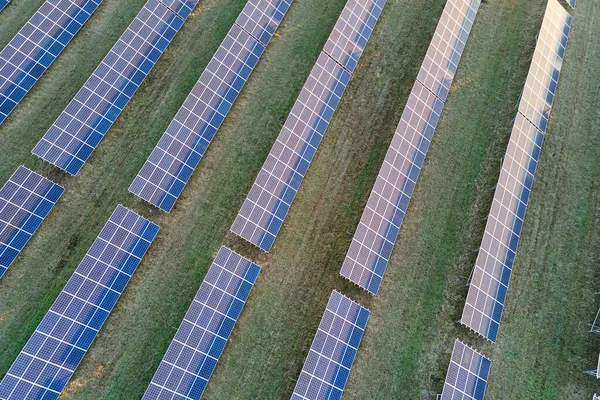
543, 345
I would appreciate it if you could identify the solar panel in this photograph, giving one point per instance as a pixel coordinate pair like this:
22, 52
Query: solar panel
331, 355
193, 354
491, 275
352, 31
275, 187
25, 200
52, 354
373, 241
542, 80
449, 40
33, 49
261, 18
570, 3
271, 196
493, 267
596, 397
183, 8
73, 137
467, 374
172, 162
3, 3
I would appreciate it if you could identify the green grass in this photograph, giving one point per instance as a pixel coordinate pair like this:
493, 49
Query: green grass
542, 347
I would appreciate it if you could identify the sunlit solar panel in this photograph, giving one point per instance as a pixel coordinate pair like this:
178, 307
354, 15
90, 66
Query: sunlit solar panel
467, 374
193, 354
494, 264
3, 3
270, 198
447, 45
25, 200
331, 355
352, 31
542, 80
35, 47
52, 354
79, 129
372, 244
172, 162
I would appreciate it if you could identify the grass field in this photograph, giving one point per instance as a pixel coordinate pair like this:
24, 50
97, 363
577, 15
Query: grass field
543, 345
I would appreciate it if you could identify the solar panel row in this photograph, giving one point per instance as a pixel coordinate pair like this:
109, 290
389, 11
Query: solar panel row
493, 267
331, 355
467, 374
52, 354
25, 200
271, 195
172, 162
35, 47
79, 129
375, 236
195, 350
3, 3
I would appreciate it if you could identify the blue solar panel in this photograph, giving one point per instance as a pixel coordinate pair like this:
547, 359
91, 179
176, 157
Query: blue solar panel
3, 3
333, 350
271, 196
25, 200
33, 49
183, 8
261, 18
467, 374
493, 267
52, 354
79, 129
352, 31
170, 165
375, 236
192, 356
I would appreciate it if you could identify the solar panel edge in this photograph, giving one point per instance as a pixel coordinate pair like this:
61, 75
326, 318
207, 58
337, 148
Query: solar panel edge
468, 386
224, 255
74, 171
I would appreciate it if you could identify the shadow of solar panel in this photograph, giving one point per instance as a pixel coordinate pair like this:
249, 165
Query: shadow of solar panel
25, 200
542, 79
78, 130
271, 196
172, 162
331, 355
192, 356
352, 31
261, 18
467, 374
3, 3
376, 234
33, 49
446, 48
58, 345
491, 274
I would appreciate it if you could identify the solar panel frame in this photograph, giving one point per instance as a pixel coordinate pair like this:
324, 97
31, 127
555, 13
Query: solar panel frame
261, 18
26, 199
352, 31
76, 133
266, 206
333, 350
467, 375
198, 344
50, 357
372, 244
167, 170
542, 80
37, 44
447, 45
